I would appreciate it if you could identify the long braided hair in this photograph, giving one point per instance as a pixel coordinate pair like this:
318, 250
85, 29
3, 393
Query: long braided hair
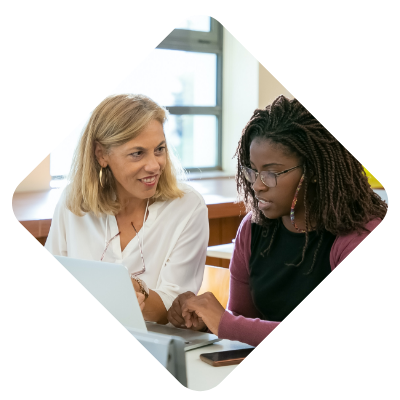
343, 200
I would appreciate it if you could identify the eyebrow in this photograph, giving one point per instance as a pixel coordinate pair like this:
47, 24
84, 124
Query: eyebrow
142, 148
267, 165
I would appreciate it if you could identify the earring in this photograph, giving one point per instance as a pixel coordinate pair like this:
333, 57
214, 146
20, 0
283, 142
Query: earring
101, 176
314, 180
294, 204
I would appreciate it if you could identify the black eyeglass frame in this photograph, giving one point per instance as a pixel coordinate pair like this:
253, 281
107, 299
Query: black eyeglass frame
276, 174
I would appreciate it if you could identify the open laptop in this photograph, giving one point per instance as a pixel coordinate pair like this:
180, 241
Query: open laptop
111, 285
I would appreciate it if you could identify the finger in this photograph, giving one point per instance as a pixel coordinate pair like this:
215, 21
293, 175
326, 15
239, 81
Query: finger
188, 319
177, 316
195, 320
174, 321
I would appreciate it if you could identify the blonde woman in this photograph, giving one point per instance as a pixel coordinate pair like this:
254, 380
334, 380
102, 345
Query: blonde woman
124, 205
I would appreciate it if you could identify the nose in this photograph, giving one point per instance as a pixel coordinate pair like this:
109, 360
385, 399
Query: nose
258, 186
152, 165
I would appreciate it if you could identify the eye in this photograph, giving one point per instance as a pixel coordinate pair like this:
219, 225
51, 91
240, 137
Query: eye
136, 154
160, 149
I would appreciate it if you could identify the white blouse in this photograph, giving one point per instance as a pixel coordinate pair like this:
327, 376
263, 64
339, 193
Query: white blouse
174, 246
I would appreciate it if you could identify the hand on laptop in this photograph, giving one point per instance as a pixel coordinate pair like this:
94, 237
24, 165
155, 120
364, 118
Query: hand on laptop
175, 314
206, 307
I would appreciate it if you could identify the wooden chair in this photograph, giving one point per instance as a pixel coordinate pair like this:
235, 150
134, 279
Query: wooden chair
216, 280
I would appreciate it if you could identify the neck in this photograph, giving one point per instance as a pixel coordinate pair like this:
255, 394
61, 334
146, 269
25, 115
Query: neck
299, 218
288, 223
131, 204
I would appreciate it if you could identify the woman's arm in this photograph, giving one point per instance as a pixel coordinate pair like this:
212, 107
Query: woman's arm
153, 308
241, 319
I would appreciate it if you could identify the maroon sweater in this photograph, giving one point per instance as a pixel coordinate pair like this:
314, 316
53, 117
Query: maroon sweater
241, 321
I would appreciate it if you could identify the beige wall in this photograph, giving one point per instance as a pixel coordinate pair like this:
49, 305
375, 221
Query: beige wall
38, 179
269, 88
239, 96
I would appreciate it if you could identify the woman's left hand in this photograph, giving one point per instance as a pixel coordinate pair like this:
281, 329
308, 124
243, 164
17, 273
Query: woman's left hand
206, 307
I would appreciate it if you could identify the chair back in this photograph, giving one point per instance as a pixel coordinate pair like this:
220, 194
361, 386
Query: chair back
216, 280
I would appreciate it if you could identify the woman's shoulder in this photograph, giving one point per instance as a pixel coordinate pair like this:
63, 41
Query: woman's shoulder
190, 202
243, 235
62, 207
345, 244
245, 225
191, 195
62, 199
361, 234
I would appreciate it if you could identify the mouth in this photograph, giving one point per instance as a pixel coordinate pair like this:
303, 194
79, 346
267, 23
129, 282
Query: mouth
263, 204
149, 180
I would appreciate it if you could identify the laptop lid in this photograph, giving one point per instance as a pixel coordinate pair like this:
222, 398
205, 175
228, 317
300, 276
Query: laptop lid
111, 285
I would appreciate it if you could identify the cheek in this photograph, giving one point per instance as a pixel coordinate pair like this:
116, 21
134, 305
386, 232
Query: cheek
288, 193
163, 161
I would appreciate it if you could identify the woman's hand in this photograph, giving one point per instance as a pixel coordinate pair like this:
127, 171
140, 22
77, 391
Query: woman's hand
207, 309
141, 298
175, 313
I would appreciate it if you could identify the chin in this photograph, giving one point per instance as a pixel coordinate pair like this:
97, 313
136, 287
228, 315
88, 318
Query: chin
270, 215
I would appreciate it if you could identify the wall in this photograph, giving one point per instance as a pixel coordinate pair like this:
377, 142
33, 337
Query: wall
239, 98
38, 179
269, 88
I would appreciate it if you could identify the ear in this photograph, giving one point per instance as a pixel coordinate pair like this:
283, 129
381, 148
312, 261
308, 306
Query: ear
313, 177
100, 154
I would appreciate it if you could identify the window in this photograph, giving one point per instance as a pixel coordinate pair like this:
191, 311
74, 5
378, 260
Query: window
183, 74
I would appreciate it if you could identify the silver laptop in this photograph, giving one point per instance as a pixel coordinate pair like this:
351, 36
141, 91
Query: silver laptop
168, 350
111, 285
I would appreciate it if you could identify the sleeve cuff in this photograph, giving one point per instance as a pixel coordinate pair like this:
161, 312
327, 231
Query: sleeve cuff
167, 300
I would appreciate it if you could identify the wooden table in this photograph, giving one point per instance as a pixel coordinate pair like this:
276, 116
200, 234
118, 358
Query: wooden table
35, 210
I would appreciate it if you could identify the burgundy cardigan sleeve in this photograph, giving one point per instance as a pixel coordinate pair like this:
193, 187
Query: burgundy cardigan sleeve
241, 319
344, 245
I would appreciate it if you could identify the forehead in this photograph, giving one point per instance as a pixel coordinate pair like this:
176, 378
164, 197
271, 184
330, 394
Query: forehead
151, 135
264, 151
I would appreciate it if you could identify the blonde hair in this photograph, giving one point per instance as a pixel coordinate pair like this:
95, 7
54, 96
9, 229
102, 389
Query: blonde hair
115, 121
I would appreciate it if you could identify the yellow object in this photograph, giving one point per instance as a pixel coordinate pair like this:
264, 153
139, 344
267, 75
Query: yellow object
375, 184
216, 280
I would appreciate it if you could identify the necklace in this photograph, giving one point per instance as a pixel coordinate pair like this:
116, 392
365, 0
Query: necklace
141, 246
107, 243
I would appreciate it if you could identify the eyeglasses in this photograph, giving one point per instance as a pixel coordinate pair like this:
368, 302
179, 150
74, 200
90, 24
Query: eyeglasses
141, 252
268, 178
140, 247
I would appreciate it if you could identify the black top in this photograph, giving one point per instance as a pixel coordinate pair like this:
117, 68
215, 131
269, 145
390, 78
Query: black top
277, 288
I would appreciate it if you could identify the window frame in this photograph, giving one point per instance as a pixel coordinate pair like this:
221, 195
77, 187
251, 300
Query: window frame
201, 42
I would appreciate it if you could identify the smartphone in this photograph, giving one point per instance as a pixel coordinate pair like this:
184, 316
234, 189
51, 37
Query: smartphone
222, 358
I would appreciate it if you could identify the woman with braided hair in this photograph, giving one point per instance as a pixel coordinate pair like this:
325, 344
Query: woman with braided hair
309, 205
